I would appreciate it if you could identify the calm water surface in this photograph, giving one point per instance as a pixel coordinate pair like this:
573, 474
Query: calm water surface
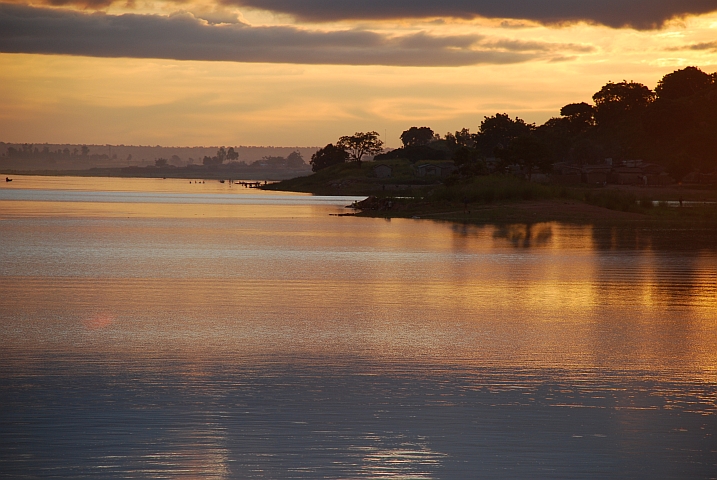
168, 329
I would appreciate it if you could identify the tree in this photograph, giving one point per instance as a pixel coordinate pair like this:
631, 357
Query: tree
295, 160
499, 130
232, 155
580, 116
360, 144
615, 100
417, 136
528, 152
209, 161
327, 156
465, 138
683, 83
221, 155
160, 162
468, 162
85, 150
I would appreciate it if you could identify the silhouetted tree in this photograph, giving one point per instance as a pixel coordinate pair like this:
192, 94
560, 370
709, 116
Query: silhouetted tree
580, 116
232, 155
295, 160
160, 162
683, 83
499, 130
417, 136
615, 100
360, 144
327, 156
468, 162
529, 152
85, 150
221, 155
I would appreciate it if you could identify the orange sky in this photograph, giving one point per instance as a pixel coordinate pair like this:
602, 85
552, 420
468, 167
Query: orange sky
256, 72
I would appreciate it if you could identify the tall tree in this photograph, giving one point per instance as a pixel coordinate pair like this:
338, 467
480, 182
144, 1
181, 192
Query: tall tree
615, 101
683, 83
232, 155
295, 160
580, 116
327, 156
497, 131
417, 136
221, 155
360, 144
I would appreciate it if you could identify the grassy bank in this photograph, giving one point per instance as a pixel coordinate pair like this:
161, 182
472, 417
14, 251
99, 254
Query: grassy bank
354, 179
501, 198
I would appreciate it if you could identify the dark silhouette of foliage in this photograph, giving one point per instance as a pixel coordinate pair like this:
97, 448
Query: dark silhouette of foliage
579, 116
615, 100
295, 160
469, 163
417, 136
528, 152
415, 154
328, 156
232, 155
683, 83
360, 144
160, 162
497, 132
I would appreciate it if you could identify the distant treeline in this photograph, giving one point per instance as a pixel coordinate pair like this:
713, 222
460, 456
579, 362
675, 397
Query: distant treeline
293, 160
60, 157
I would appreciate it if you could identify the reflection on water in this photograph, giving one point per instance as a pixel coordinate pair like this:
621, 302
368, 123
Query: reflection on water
240, 334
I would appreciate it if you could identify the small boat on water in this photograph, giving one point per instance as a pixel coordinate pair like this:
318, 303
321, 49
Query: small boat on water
221, 181
8, 179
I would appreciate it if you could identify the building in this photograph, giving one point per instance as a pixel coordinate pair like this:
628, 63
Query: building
382, 171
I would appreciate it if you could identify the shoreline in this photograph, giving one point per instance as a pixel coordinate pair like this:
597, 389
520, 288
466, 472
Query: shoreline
410, 201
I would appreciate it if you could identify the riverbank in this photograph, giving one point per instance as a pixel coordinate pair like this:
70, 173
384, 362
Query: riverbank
506, 199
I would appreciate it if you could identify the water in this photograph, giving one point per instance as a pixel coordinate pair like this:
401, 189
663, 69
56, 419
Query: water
165, 329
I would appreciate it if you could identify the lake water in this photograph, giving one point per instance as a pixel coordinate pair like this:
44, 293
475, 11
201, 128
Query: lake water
167, 329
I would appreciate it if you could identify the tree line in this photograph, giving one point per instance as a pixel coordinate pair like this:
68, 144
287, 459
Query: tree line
293, 160
674, 125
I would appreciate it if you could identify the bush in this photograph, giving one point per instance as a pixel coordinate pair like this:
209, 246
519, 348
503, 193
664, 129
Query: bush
487, 189
612, 199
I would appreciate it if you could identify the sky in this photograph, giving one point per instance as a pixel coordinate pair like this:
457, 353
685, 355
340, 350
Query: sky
304, 72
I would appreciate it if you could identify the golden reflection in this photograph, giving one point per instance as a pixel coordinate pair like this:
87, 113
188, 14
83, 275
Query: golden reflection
249, 280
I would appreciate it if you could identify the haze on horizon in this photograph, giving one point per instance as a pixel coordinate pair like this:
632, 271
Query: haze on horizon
291, 72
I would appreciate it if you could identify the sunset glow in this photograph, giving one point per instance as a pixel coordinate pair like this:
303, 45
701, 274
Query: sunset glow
298, 73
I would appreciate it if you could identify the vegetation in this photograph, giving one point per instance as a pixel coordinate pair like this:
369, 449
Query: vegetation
360, 144
327, 156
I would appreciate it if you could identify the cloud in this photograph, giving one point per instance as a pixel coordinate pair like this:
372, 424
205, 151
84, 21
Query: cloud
639, 14
182, 36
711, 46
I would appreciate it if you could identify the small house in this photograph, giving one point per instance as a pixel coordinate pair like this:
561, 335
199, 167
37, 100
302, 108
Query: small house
382, 171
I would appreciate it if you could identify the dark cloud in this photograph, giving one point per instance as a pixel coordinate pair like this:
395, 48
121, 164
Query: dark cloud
703, 46
640, 14
532, 46
183, 37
